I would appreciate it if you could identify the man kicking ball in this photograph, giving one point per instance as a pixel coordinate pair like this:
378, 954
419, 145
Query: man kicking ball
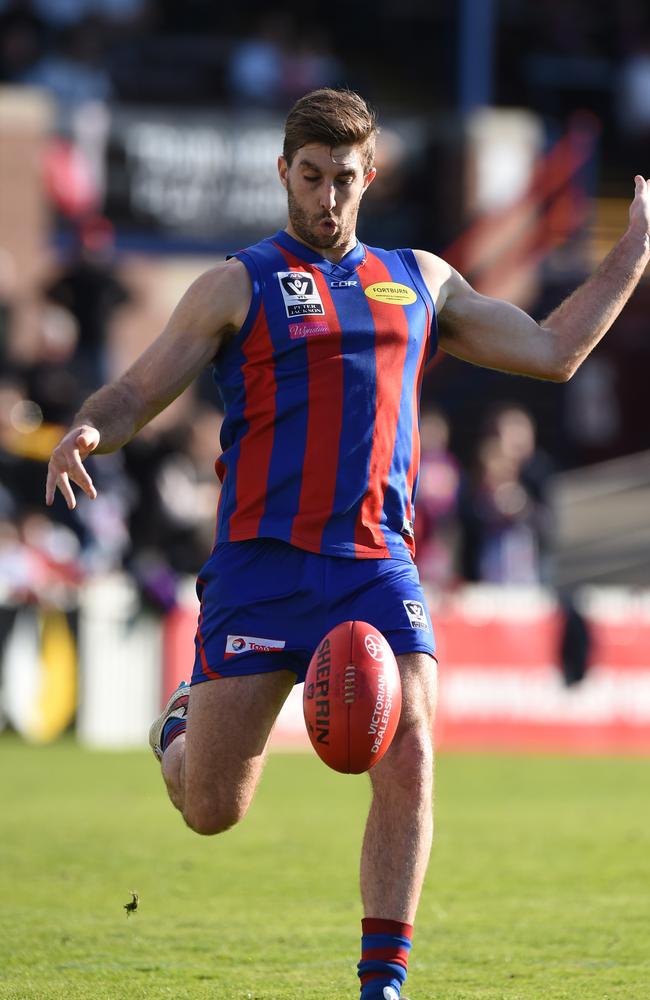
318, 345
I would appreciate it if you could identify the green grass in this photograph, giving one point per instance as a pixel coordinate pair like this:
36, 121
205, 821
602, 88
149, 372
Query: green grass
539, 885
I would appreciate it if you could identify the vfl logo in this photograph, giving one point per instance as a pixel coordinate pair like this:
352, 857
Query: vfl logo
408, 528
416, 614
374, 647
300, 294
296, 285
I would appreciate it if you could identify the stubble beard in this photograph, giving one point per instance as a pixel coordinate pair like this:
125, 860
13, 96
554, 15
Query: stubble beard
306, 226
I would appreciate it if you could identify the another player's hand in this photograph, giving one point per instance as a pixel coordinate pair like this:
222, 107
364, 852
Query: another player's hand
640, 207
66, 464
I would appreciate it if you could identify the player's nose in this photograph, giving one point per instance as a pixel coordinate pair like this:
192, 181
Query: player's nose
328, 197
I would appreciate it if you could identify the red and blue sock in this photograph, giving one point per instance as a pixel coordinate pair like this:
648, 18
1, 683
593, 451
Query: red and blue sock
385, 947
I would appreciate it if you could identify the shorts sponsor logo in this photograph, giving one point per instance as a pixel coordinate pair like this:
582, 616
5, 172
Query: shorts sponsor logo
416, 614
374, 646
300, 294
391, 292
298, 331
251, 644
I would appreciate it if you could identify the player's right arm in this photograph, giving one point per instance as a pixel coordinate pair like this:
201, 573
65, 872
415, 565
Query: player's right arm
213, 308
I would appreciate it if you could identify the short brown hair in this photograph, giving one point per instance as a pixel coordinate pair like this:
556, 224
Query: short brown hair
331, 118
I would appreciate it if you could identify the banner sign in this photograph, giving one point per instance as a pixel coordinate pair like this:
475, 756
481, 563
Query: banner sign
210, 177
501, 686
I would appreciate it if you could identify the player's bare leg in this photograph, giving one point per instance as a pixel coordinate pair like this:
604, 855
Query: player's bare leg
211, 771
399, 830
398, 834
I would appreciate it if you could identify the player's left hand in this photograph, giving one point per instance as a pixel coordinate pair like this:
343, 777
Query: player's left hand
640, 208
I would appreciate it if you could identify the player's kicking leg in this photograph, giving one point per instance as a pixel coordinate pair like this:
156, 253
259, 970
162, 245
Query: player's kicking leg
212, 768
398, 835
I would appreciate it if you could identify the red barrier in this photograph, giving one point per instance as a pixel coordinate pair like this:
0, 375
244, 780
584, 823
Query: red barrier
501, 687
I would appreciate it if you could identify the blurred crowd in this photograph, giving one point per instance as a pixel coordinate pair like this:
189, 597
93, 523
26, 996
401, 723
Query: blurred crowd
134, 50
489, 519
552, 57
157, 499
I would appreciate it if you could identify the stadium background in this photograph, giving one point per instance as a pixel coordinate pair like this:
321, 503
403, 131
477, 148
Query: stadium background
138, 146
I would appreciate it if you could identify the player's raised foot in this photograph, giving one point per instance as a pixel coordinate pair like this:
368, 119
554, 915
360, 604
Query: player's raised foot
171, 722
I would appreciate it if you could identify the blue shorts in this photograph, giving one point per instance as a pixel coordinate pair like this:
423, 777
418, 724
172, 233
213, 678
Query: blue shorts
265, 605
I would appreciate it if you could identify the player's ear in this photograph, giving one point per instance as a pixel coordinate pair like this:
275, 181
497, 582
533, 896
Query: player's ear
368, 179
283, 170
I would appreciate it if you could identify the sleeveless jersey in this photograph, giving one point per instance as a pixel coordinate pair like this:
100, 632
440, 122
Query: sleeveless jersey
321, 390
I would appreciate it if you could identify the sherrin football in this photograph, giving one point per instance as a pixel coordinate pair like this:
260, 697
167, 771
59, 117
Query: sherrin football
352, 697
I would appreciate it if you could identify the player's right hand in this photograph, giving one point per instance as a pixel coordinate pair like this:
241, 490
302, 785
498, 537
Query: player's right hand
66, 463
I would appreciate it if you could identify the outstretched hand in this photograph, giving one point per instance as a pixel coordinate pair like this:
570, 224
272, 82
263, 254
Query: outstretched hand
66, 463
640, 207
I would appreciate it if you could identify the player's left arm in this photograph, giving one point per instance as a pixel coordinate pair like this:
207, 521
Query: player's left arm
498, 335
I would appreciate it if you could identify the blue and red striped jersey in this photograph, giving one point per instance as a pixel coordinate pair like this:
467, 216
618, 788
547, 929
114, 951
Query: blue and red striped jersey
321, 390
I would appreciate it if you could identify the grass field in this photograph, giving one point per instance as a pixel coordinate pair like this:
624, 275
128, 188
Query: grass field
539, 885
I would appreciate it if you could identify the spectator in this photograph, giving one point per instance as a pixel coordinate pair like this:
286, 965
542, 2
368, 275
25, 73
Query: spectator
22, 40
499, 520
515, 429
309, 63
255, 72
73, 72
175, 493
435, 524
634, 93
91, 291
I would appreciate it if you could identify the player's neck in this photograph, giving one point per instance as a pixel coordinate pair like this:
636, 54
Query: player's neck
332, 254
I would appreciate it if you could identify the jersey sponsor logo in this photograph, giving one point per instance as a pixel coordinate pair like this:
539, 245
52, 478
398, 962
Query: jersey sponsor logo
300, 294
343, 284
391, 292
297, 331
251, 644
416, 614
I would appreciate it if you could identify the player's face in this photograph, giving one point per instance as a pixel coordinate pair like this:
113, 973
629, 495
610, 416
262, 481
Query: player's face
324, 188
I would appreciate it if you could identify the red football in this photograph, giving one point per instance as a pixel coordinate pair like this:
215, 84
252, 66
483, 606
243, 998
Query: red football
352, 697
